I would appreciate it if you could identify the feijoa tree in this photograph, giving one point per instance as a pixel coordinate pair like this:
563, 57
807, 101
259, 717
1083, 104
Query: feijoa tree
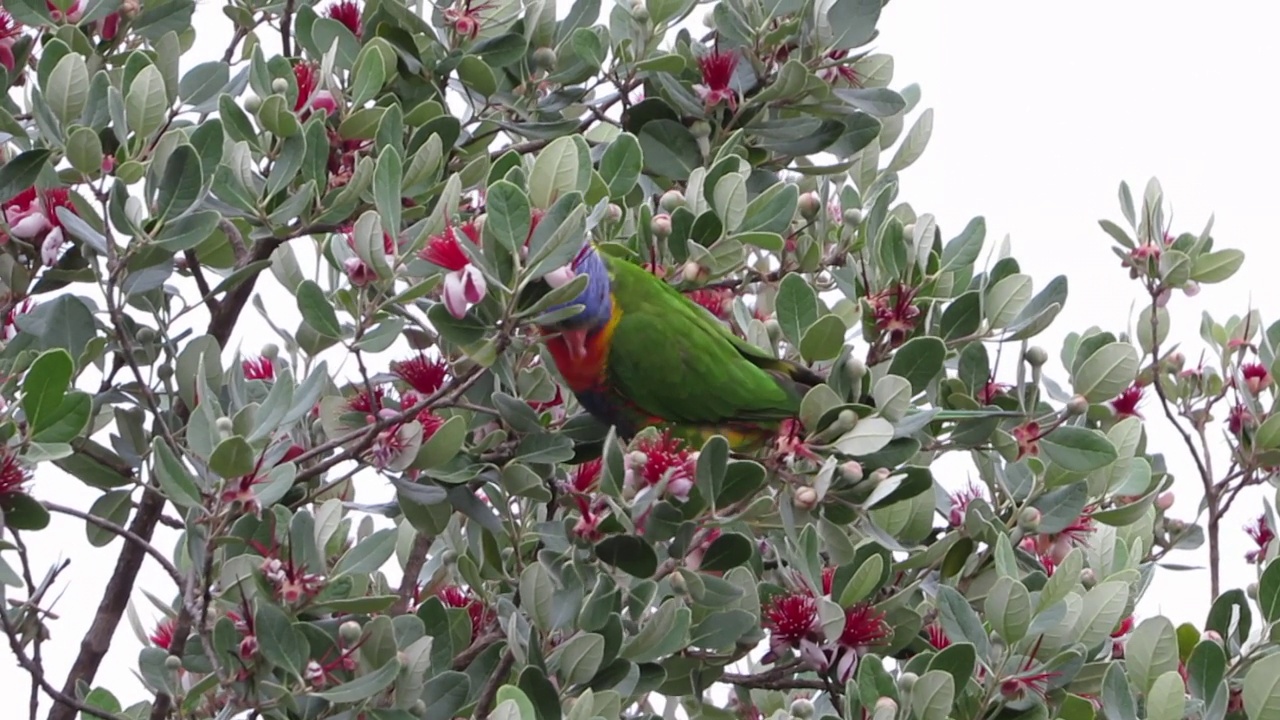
385, 189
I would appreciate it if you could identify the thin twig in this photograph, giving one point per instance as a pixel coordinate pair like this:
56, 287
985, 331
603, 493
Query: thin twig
490, 691
62, 699
125, 533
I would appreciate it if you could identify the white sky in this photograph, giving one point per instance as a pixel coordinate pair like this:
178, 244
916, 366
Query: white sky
1040, 113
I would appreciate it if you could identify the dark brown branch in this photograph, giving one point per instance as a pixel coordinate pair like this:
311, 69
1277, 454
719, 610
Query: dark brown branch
202, 284
412, 568
464, 659
767, 681
490, 691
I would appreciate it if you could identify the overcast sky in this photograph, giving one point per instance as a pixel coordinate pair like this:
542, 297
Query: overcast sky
1039, 115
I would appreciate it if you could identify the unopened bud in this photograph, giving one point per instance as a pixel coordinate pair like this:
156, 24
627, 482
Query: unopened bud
1077, 405
880, 475
886, 709
1029, 519
909, 231
640, 11
660, 226
613, 213
852, 216
252, 103
350, 632
693, 272
806, 498
774, 329
1252, 590
802, 708
906, 681
279, 85
852, 471
1088, 578
1164, 501
419, 709
270, 351
810, 205
855, 367
1036, 356
1212, 636
700, 129
165, 372
709, 21
671, 200
544, 58
1191, 289
678, 585
637, 459
1176, 360
173, 663
224, 426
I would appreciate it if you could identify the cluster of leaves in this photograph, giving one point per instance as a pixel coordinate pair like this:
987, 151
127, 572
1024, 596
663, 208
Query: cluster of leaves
438, 170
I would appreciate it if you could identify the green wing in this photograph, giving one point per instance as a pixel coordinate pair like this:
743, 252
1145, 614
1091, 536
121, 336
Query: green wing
674, 361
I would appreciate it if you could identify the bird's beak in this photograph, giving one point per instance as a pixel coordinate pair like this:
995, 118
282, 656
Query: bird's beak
576, 341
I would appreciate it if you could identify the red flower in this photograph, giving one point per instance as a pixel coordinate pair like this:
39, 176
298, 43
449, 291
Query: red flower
10, 320
842, 71
670, 458
864, 625
1239, 419
162, 636
792, 618
828, 576
937, 636
429, 421
1123, 629
259, 368
310, 96
960, 503
1028, 437
361, 402
586, 475
717, 301
9, 32
1260, 530
72, 15
456, 597
444, 250
717, 72
556, 401
347, 13
1256, 377
894, 312
991, 391
423, 374
1078, 532
1018, 686
13, 474
290, 579
1126, 403
33, 216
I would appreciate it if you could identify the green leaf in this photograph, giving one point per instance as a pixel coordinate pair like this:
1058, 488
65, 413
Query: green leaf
823, 340
21, 172
68, 420
932, 695
316, 310
957, 660
445, 694
554, 173
476, 75
1167, 698
1117, 695
280, 643
1151, 651
508, 215
919, 360
797, 307
876, 102
727, 551
959, 620
45, 385
232, 458
853, 22
182, 183
67, 89
1101, 609
629, 554
868, 436
23, 512
84, 150
1107, 372
1008, 609
1206, 667
1269, 592
621, 164
114, 507
1078, 449
916, 140
663, 633
365, 686
368, 555
175, 482
1216, 267
772, 210
1262, 689
537, 593
146, 103
1007, 298
578, 659
387, 176
203, 82
669, 149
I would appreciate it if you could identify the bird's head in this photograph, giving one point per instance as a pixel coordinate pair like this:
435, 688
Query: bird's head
596, 299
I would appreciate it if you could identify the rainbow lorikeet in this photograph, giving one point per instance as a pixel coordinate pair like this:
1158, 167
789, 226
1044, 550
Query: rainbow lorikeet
641, 354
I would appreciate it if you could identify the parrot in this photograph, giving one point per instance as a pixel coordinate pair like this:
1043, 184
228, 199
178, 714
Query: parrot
640, 354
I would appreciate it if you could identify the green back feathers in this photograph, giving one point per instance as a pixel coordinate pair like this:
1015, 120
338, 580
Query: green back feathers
674, 361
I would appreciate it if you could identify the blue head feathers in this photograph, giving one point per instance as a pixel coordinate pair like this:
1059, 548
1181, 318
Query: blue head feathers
596, 298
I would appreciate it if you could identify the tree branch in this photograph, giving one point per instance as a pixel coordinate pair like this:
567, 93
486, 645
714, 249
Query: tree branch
125, 533
62, 700
412, 568
490, 691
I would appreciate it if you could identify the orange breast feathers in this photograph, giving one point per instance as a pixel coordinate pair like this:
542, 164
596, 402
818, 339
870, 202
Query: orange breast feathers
583, 356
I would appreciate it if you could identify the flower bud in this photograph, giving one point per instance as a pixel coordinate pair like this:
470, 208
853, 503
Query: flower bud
252, 103
640, 11
544, 58
886, 709
1036, 356
350, 632
678, 584
1212, 635
1077, 405
774, 329
810, 205
909, 231
613, 213
1164, 501
660, 226
419, 709
880, 475
693, 272
1029, 519
906, 681
671, 200
270, 351
852, 471
1191, 289
248, 647
855, 367
701, 128
1252, 591
279, 85
173, 663
709, 21
1088, 578
165, 372
852, 216
637, 459
802, 708
806, 498
224, 426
